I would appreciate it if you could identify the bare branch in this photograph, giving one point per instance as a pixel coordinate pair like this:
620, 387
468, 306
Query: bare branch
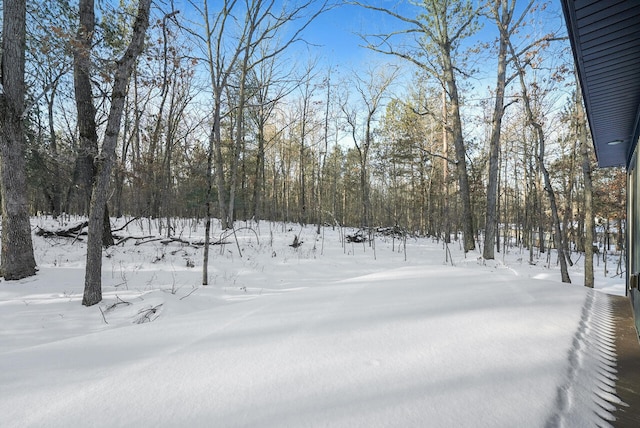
52, 84
428, 153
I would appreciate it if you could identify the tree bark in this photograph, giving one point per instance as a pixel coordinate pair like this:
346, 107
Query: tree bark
446, 220
588, 192
239, 137
88, 143
207, 227
218, 73
93, 280
56, 198
85, 168
258, 187
302, 177
461, 152
557, 236
502, 15
568, 205
17, 260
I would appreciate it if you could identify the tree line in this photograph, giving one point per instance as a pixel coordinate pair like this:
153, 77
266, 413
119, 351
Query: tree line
469, 125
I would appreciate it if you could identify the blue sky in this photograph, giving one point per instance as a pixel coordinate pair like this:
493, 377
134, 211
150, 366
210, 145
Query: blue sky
336, 30
333, 37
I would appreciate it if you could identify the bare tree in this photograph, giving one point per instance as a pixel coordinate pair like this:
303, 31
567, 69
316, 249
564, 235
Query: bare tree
167, 76
534, 121
17, 248
502, 12
85, 168
230, 45
87, 127
372, 87
439, 31
106, 159
581, 124
269, 90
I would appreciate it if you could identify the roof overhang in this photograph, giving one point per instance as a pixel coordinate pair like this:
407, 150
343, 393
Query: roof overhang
605, 37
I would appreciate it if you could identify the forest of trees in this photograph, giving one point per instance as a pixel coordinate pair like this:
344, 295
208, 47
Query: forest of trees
465, 124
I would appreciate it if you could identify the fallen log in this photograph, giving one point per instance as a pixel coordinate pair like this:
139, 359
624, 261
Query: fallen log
167, 241
357, 237
68, 232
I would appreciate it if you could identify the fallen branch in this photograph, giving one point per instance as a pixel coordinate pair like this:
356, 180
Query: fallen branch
125, 225
69, 232
147, 314
147, 241
190, 293
103, 317
119, 301
138, 238
167, 241
357, 237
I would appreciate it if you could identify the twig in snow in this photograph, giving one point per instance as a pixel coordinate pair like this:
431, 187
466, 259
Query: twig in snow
192, 291
119, 301
103, 317
146, 315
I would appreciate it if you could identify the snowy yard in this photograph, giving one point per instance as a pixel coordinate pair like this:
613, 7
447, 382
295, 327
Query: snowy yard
324, 335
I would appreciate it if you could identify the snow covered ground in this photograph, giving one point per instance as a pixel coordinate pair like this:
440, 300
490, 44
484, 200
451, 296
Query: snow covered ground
325, 335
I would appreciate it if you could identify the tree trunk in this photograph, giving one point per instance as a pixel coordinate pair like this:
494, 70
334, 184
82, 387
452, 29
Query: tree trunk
93, 280
568, 210
446, 221
218, 76
302, 206
207, 227
588, 192
491, 219
540, 140
258, 187
219, 167
88, 144
557, 237
364, 173
461, 165
56, 193
364, 191
564, 273
239, 140
17, 247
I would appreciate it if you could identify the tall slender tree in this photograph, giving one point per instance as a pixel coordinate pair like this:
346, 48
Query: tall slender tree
17, 260
87, 127
267, 93
372, 88
229, 45
106, 159
535, 122
502, 13
440, 28
581, 124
